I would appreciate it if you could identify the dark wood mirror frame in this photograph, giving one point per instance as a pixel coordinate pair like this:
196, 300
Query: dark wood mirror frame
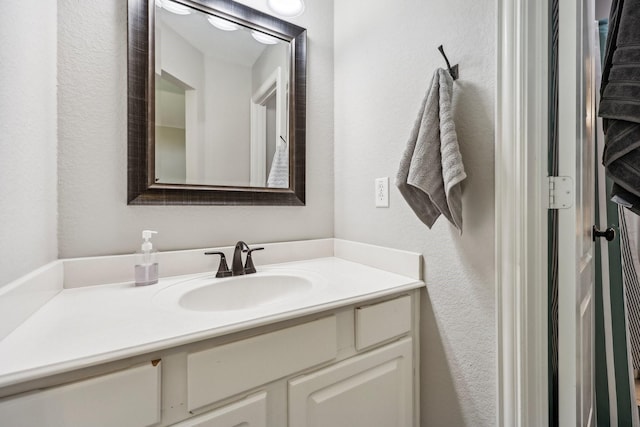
142, 190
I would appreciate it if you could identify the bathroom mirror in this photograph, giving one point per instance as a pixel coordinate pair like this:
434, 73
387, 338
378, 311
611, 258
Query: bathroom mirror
216, 105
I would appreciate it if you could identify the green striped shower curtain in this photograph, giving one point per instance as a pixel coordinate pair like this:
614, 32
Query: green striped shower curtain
615, 393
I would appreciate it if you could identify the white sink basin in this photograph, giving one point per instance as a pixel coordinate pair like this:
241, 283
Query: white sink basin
211, 294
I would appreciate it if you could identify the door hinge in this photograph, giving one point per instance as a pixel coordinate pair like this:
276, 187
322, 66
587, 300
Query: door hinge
560, 192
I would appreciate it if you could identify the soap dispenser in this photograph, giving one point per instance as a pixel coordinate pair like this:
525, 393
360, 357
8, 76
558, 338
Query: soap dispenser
146, 269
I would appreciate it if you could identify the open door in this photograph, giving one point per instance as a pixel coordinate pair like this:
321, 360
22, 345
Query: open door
576, 127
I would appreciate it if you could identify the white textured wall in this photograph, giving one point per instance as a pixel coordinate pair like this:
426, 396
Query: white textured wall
93, 215
28, 181
385, 55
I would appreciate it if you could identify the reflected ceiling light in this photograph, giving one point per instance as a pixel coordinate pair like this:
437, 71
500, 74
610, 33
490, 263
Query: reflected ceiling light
264, 38
222, 24
173, 7
288, 8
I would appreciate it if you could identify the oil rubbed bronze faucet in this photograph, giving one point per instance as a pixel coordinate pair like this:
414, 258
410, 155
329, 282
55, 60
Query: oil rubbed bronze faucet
237, 269
248, 264
223, 268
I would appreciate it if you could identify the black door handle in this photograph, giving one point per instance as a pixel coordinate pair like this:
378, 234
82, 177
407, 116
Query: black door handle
609, 233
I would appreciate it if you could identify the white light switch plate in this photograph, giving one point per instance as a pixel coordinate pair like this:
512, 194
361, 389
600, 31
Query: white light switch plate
382, 192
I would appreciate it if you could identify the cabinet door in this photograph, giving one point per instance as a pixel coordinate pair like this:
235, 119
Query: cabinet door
249, 412
371, 390
125, 398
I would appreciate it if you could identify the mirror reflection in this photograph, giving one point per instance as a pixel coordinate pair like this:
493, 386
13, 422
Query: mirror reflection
221, 101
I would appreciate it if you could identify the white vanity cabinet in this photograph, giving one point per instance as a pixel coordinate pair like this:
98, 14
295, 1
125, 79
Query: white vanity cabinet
350, 366
356, 366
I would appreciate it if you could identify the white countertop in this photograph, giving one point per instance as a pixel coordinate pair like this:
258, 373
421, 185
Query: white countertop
86, 326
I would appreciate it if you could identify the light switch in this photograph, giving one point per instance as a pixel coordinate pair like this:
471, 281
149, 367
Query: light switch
382, 192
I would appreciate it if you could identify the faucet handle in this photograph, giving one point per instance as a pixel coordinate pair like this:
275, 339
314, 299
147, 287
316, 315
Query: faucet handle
248, 264
223, 268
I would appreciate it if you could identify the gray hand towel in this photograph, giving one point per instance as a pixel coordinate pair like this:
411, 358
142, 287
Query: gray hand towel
620, 103
431, 168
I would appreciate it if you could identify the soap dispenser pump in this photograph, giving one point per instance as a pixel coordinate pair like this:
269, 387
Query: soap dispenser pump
146, 269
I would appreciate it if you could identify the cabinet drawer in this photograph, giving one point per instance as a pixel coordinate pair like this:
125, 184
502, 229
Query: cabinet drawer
229, 369
124, 398
379, 322
249, 412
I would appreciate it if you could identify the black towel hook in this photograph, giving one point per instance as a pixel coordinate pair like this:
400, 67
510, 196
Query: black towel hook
452, 70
